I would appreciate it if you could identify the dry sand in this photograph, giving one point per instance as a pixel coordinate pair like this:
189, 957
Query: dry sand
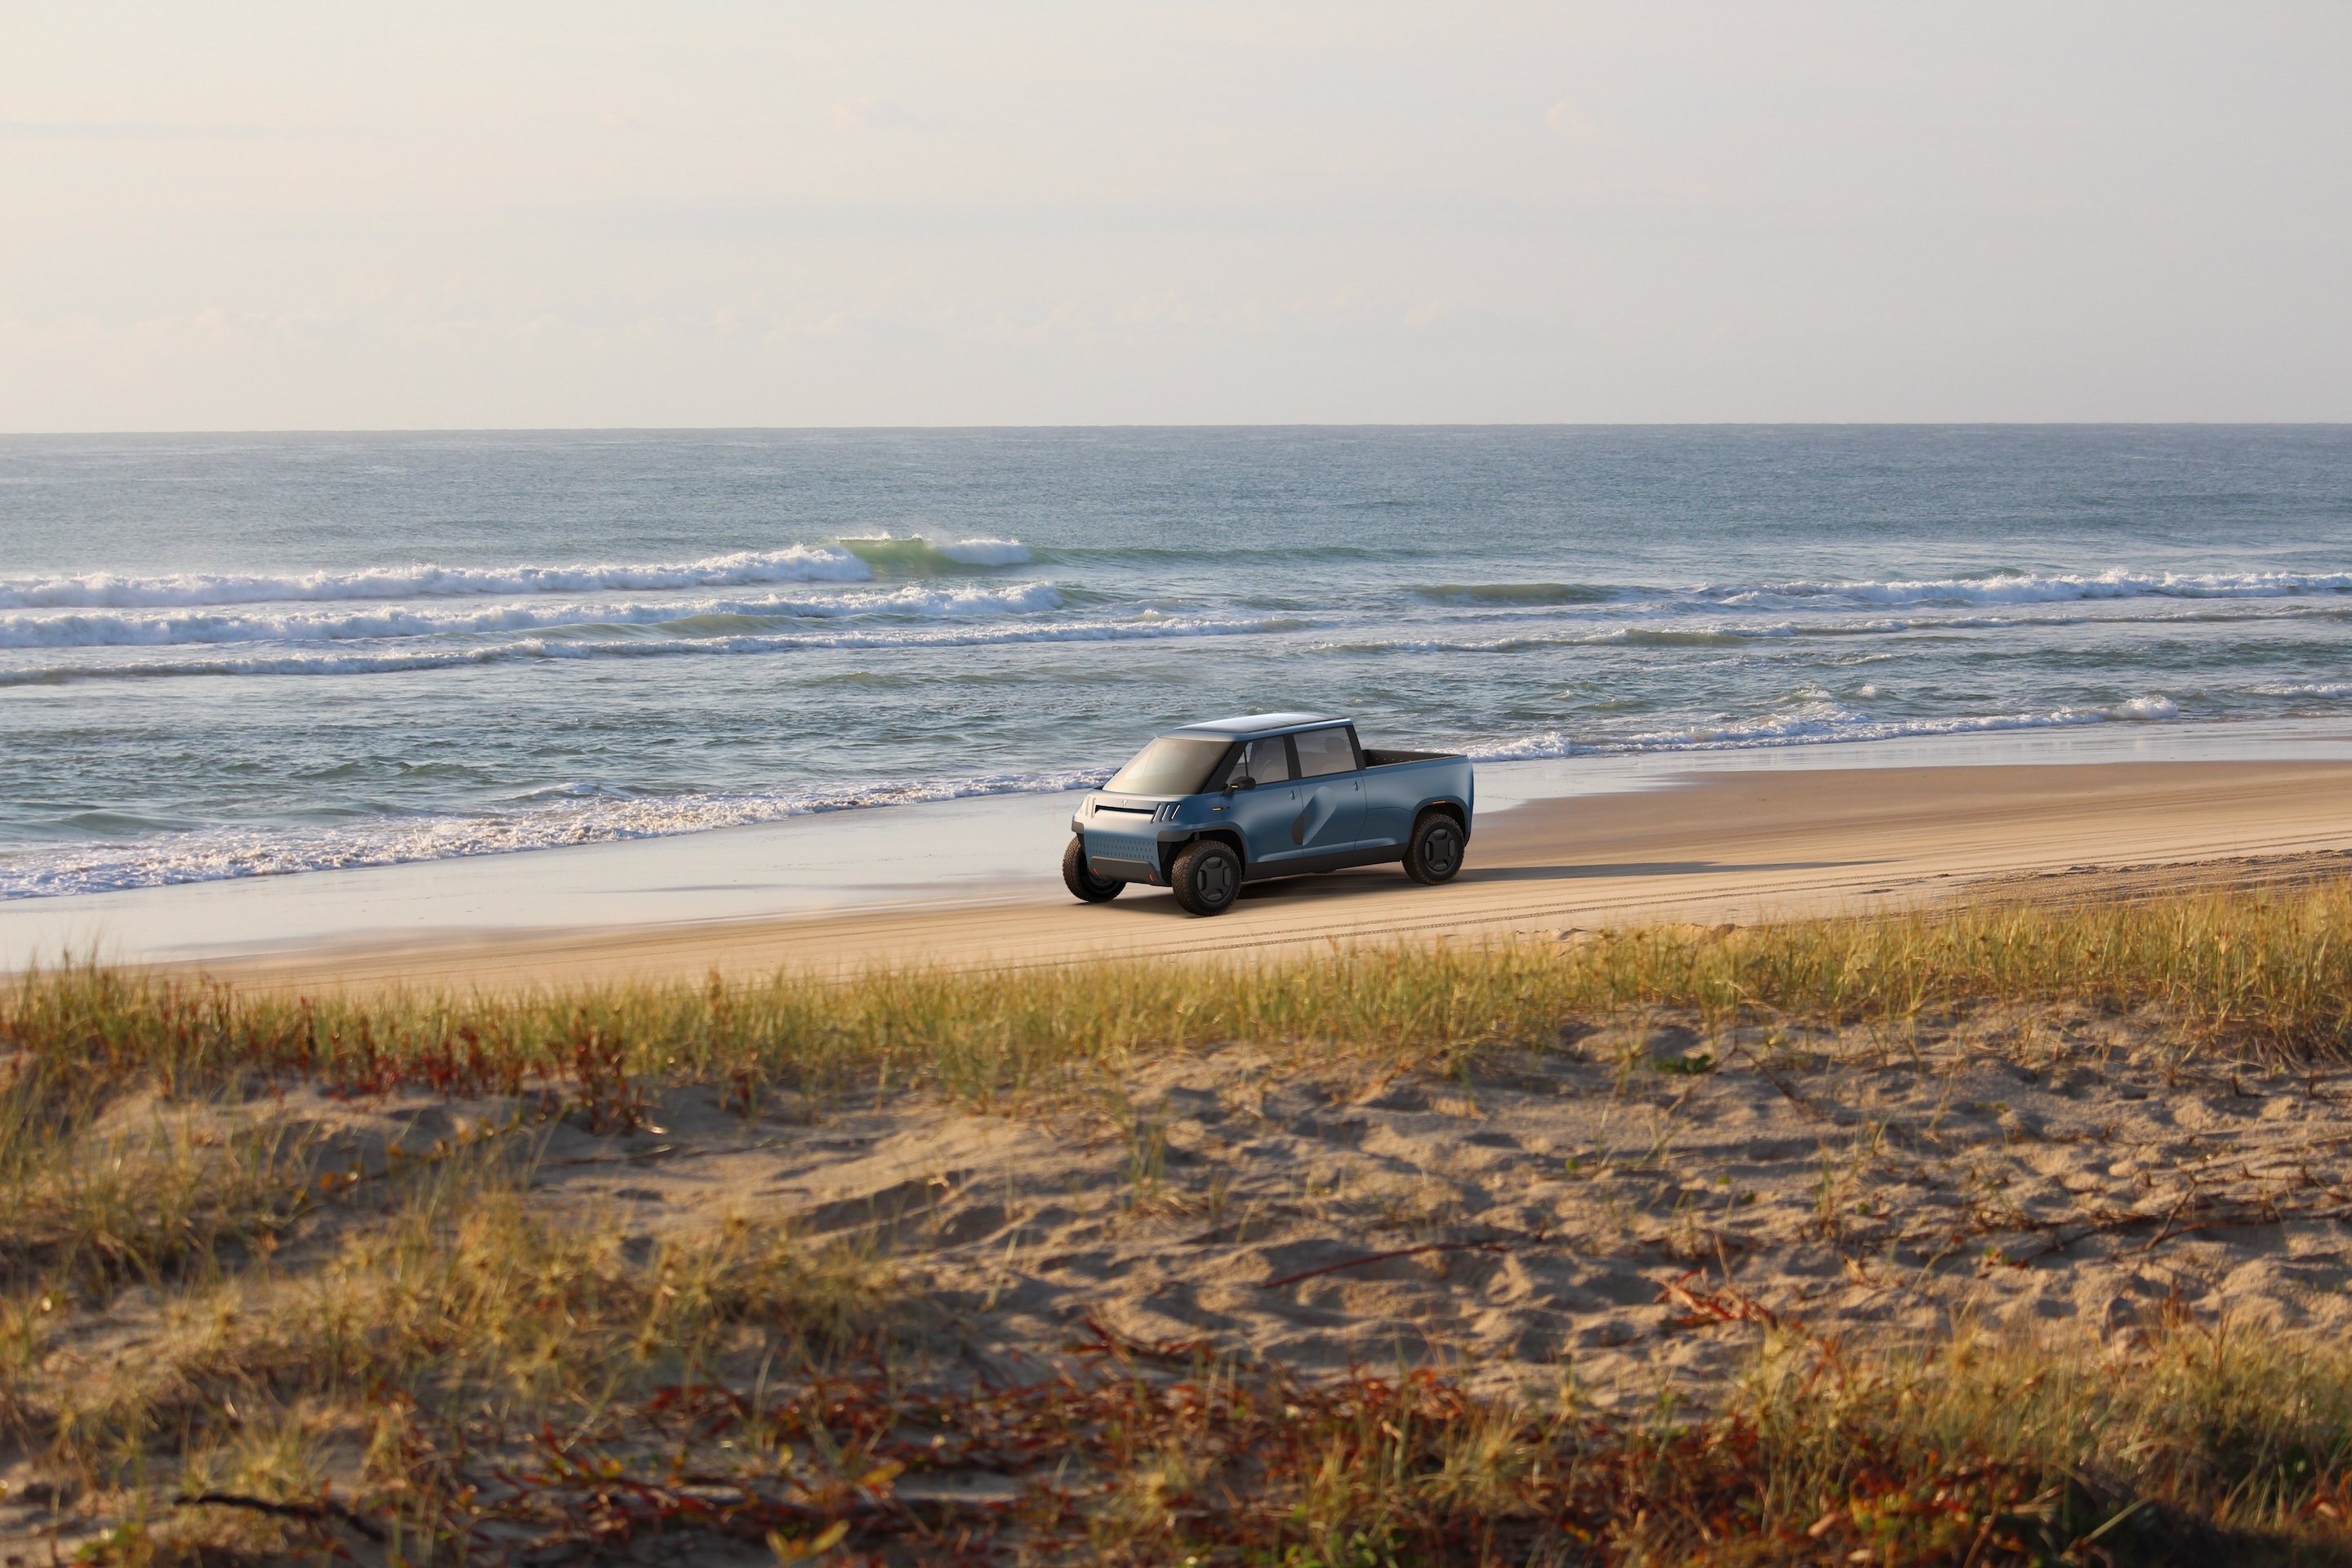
2040, 1171
1619, 1215
1736, 846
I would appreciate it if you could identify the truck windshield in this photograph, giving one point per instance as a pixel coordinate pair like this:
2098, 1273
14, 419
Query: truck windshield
1172, 764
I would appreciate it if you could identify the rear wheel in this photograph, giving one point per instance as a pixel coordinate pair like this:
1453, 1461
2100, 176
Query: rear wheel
1207, 876
1080, 878
1434, 851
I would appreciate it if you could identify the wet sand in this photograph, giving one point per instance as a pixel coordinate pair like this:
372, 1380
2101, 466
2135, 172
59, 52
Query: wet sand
1722, 846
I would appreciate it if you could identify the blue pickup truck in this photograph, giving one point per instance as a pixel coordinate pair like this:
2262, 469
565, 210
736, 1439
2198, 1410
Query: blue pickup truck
1205, 808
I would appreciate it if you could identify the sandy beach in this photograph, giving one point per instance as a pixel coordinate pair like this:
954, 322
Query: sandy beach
1737, 847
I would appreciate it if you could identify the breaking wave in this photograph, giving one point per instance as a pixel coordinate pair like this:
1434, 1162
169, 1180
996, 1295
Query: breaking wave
850, 561
153, 630
923, 557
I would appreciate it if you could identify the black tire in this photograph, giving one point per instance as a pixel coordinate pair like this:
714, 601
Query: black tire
1207, 876
1434, 852
1079, 878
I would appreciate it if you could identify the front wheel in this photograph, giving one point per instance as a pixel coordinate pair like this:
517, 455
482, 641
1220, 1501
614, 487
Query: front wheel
1434, 853
1079, 878
1207, 878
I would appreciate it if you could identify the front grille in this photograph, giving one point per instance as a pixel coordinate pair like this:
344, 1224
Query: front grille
1164, 812
1122, 847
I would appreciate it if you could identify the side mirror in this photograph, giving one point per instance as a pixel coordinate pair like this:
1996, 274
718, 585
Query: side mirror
1243, 782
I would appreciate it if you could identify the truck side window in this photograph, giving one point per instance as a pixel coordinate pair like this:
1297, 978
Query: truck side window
1268, 761
1324, 752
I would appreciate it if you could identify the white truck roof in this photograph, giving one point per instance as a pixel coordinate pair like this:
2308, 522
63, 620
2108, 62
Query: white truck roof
1261, 723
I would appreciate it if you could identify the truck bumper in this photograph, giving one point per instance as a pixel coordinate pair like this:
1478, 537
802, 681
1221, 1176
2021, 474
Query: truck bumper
1129, 856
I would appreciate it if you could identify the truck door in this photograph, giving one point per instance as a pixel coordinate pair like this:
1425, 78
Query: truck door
1331, 793
1263, 815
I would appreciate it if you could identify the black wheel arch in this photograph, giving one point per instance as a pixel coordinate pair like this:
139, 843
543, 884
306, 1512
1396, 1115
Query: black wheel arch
1452, 809
1174, 847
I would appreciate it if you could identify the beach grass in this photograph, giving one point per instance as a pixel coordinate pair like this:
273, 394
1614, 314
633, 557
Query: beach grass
467, 1381
413, 1360
2267, 973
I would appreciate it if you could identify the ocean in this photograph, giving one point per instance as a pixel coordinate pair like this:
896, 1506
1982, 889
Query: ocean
235, 655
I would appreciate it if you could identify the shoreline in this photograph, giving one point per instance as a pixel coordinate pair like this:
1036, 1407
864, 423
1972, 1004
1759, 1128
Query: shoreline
1740, 846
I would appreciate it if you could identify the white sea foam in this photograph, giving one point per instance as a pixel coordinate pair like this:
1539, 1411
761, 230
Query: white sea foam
155, 629
1695, 634
1543, 600
2305, 689
2024, 588
106, 590
1808, 724
1699, 623
587, 817
649, 645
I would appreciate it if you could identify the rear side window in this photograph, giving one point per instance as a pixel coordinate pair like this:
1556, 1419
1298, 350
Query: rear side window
1268, 761
1324, 752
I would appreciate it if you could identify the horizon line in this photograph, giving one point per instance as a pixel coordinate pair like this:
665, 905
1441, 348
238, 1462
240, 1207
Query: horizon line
1202, 425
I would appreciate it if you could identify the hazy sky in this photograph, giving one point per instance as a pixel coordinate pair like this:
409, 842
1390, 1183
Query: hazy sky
233, 216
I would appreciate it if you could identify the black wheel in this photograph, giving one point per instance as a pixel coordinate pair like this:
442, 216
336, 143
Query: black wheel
1207, 876
1434, 853
1080, 878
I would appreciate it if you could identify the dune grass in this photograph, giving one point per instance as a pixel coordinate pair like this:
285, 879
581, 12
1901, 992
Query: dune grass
2270, 971
441, 1307
192, 1304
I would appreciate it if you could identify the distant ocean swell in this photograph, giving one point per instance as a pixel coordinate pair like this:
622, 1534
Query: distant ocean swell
718, 627
855, 561
628, 632
214, 611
